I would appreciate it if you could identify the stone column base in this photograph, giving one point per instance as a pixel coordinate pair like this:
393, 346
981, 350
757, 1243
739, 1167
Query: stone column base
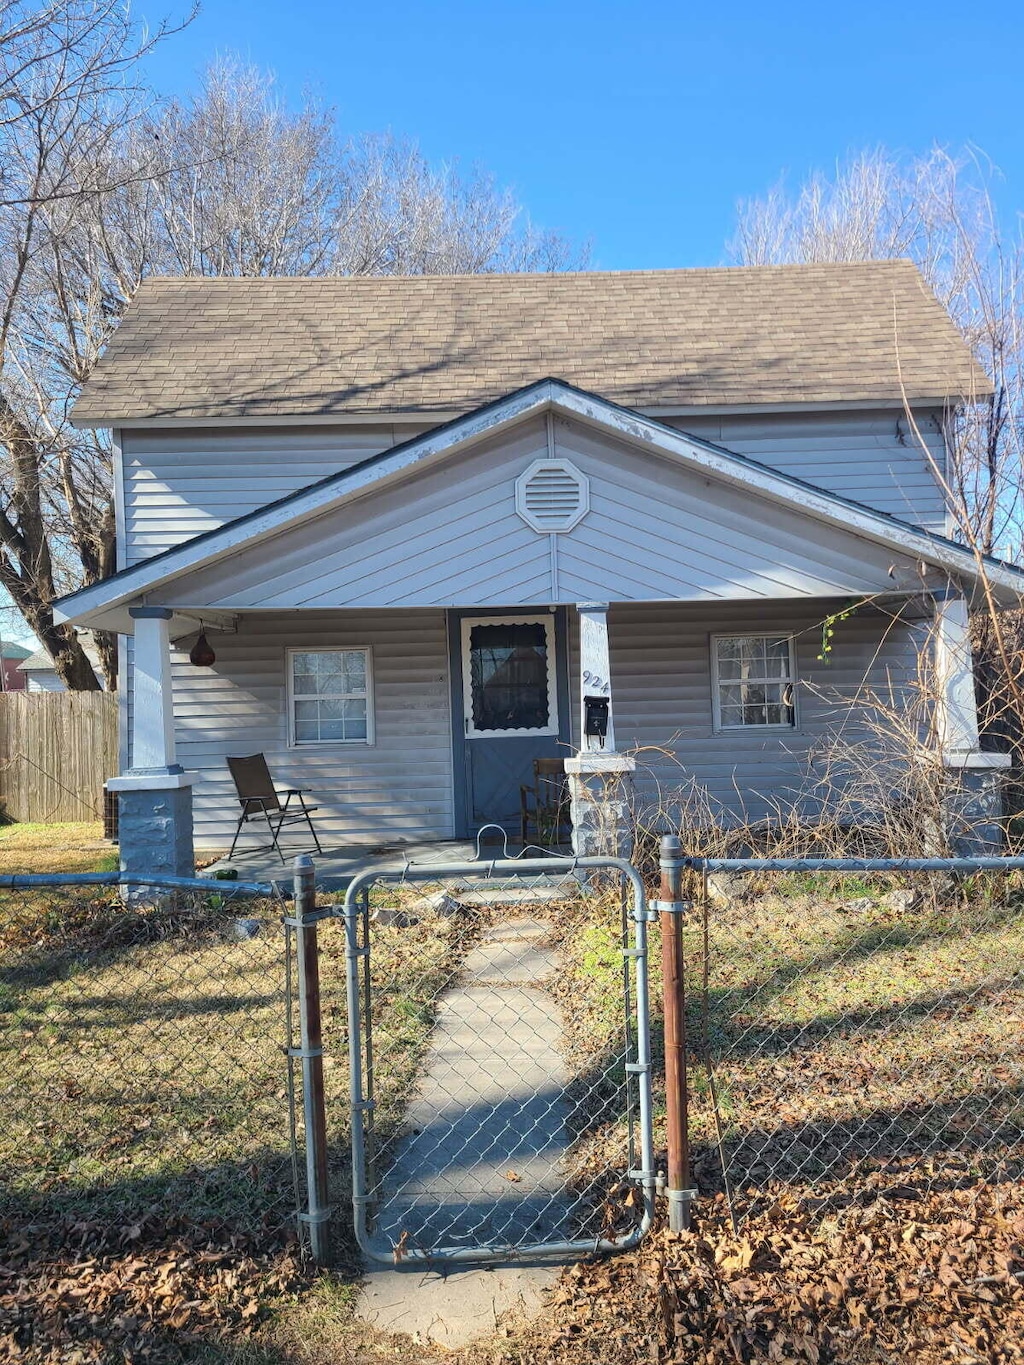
155, 824
972, 804
601, 805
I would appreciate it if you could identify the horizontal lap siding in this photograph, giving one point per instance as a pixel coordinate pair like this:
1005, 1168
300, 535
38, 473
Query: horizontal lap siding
874, 458
657, 529
450, 535
398, 787
661, 679
178, 484
401, 787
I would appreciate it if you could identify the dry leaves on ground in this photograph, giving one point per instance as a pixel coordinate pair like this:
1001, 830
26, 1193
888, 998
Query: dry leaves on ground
864, 1277
142, 1294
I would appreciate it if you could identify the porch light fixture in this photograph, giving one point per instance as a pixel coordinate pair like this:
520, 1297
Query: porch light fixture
201, 654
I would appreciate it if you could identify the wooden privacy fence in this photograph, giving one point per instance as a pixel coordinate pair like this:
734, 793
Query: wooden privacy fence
56, 751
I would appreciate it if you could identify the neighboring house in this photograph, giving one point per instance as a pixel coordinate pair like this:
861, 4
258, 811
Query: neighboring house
424, 520
11, 657
39, 674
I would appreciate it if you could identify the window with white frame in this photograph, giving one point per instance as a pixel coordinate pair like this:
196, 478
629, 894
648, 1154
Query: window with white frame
330, 696
754, 678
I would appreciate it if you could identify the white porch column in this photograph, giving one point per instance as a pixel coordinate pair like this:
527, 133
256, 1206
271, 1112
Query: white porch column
600, 780
972, 798
595, 673
956, 713
154, 796
153, 749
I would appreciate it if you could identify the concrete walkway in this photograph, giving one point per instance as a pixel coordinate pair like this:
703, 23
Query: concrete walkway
481, 1165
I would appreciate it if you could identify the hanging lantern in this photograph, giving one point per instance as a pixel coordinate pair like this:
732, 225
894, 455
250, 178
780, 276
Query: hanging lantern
201, 653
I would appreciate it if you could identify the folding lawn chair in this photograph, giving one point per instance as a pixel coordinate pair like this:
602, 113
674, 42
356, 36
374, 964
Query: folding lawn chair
260, 799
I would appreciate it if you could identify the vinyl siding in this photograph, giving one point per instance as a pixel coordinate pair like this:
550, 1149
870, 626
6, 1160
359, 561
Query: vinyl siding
400, 786
178, 484
449, 535
876, 458
662, 688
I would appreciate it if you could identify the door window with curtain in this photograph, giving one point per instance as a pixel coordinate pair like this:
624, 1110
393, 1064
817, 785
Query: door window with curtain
509, 677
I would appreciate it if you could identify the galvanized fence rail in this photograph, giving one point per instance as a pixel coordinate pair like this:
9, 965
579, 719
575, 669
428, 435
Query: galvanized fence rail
853, 1024
500, 1062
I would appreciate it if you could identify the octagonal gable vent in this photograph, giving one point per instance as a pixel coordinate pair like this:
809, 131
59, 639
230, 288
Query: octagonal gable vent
552, 495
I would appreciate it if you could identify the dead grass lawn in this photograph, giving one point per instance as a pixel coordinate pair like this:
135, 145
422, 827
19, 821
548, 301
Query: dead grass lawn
78, 847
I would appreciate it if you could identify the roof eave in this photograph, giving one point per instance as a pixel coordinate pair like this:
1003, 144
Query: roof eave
440, 416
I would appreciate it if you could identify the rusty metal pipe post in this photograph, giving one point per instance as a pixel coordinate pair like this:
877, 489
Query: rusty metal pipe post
671, 908
318, 1211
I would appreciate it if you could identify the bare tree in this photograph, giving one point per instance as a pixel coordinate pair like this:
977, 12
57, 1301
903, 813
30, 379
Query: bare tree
68, 87
108, 188
938, 210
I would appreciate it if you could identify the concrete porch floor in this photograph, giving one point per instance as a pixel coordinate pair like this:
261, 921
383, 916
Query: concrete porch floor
338, 864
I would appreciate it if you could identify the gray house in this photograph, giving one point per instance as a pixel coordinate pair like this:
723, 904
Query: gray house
435, 528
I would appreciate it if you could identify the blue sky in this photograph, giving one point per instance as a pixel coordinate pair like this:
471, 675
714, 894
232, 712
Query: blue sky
639, 126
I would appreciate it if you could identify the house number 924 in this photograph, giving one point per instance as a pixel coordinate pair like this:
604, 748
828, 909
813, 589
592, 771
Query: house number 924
593, 683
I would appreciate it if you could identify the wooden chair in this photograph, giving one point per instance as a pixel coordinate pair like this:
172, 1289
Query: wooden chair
260, 799
545, 805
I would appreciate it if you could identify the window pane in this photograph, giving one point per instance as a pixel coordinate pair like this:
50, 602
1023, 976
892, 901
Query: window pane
354, 670
778, 658
354, 716
751, 649
329, 682
331, 676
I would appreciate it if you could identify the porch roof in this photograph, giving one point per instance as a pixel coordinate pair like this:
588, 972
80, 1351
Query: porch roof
104, 604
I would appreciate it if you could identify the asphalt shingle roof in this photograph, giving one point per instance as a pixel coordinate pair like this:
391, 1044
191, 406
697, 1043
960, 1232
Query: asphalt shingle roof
193, 349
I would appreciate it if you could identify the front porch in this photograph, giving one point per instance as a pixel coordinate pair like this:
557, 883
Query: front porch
338, 864
550, 577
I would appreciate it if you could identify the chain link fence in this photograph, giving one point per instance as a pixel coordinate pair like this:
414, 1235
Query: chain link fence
499, 1058
854, 1027
845, 1028
145, 1080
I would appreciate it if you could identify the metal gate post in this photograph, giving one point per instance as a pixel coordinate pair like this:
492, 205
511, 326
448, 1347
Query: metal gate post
311, 1052
671, 909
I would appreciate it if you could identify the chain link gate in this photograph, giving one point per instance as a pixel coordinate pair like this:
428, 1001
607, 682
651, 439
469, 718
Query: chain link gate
501, 1088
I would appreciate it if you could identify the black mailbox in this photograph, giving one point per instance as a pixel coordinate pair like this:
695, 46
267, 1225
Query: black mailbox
595, 717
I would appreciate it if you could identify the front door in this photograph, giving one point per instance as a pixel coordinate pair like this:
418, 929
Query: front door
511, 707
